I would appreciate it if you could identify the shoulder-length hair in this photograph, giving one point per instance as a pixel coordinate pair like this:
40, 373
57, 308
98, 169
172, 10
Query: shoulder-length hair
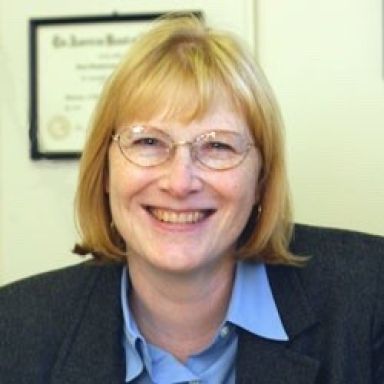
179, 67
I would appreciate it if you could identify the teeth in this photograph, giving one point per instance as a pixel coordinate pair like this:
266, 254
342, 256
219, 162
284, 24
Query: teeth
177, 217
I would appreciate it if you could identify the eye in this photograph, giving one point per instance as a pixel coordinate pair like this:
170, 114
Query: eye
219, 145
147, 142
217, 148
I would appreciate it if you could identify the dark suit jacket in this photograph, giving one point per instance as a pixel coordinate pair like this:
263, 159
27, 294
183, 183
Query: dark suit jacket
65, 327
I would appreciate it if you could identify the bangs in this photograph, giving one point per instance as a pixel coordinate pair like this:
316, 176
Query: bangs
174, 89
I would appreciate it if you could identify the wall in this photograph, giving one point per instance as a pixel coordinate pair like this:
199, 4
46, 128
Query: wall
325, 62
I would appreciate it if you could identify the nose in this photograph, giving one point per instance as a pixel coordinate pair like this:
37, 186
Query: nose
180, 177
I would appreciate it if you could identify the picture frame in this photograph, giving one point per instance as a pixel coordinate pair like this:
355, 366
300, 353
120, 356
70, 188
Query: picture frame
70, 59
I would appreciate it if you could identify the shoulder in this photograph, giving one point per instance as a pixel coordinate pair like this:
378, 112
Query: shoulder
340, 255
342, 278
49, 288
343, 274
334, 305
308, 240
37, 312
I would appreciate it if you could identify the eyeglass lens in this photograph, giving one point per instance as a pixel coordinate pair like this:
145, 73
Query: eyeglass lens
149, 146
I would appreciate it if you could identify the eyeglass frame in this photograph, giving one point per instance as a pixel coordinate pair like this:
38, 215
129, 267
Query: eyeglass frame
174, 144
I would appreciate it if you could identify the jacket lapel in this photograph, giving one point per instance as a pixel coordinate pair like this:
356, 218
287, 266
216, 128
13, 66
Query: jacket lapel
92, 351
265, 361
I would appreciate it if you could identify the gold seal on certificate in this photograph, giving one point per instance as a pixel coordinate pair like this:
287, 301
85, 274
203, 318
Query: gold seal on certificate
59, 127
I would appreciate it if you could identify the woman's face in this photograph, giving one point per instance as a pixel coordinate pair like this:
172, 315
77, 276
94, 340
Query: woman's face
180, 216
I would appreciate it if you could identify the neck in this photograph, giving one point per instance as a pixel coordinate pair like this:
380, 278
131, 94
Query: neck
180, 313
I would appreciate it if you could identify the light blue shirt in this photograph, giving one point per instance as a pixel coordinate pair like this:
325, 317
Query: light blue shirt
251, 307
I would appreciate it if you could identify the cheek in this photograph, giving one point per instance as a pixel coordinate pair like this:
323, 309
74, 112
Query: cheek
118, 184
120, 202
127, 182
121, 189
252, 178
119, 174
247, 194
238, 191
248, 185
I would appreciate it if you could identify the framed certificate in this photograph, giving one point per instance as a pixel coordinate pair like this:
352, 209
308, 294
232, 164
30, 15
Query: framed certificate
70, 60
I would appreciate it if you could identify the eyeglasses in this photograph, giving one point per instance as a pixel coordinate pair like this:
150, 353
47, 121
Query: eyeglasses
148, 147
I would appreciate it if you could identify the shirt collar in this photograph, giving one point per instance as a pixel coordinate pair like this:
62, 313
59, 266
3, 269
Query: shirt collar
257, 313
133, 340
252, 305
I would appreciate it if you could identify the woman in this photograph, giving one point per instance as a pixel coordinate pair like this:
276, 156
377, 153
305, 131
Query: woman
183, 201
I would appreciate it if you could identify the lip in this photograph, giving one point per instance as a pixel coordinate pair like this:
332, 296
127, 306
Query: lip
179, 218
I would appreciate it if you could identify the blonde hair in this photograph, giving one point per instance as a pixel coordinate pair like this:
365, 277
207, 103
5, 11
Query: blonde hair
179, 67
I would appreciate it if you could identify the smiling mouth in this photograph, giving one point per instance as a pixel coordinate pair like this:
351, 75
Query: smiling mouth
179, 217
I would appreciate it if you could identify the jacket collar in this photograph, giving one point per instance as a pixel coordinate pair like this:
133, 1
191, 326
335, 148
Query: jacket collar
92, 351
272, 362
